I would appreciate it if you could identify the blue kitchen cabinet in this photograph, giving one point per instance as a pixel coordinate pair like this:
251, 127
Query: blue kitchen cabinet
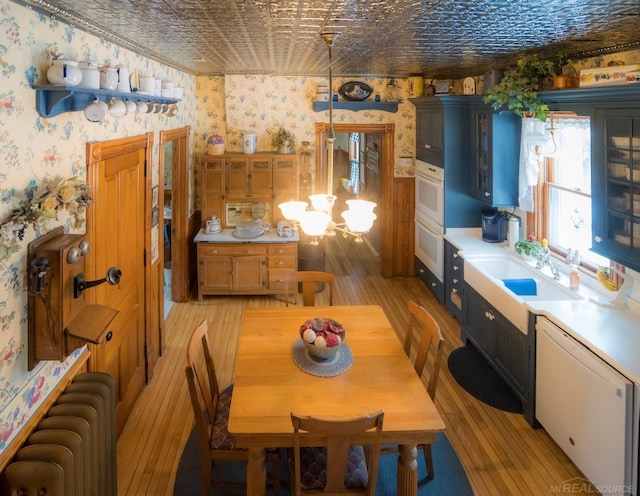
430, 131
429, 279
616, 186
505, 348
453, 279
495, 156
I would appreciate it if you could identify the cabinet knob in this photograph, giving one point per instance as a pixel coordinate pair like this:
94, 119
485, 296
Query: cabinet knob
486, 193
421, 271
280, 262
455, 281
455, 267
433, 284
598, 239
215, 251
455, 255
489, 315
427, 147
454, 290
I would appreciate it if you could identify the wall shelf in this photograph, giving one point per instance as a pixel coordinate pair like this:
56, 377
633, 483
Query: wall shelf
356, 106
52, 100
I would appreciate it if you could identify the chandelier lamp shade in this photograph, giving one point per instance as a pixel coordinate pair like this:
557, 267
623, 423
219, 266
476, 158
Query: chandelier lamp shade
318, 221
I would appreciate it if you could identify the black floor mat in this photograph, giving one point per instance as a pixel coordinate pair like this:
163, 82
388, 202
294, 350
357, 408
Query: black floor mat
469, 368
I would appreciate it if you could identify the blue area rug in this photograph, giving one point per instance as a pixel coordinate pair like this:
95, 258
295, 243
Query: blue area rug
450, 478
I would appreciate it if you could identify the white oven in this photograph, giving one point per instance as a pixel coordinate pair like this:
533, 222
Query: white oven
429, 217
430, 191
429, 244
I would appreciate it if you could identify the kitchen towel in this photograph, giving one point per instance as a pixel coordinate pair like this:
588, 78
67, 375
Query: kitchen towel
522, 287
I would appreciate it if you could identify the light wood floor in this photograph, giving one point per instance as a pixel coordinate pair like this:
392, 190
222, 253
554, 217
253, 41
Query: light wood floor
501, 454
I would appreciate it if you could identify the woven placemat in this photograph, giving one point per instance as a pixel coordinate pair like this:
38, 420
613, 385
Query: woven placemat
336, 365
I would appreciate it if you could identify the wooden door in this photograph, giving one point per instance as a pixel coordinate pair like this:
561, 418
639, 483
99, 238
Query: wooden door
117, 227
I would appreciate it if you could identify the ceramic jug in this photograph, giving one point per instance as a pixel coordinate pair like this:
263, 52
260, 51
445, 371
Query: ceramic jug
213, 225
64, 71
249, 142
90, 75
123, 79
108, 78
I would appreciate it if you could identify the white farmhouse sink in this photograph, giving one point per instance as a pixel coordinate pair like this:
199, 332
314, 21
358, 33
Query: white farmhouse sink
485, 275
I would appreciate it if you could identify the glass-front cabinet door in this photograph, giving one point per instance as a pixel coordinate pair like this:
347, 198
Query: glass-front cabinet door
616, 186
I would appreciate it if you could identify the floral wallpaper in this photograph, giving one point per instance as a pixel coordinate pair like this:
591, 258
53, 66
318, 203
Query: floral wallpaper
34, 151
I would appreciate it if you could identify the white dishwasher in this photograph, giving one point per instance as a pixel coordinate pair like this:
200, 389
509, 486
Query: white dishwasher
587, 407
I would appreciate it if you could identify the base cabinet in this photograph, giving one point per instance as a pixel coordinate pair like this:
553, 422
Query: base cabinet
453, 280
429, 279
501, 343
244, 268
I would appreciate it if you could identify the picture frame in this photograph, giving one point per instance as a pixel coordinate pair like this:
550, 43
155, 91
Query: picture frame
442, 87
155, 214
154, 196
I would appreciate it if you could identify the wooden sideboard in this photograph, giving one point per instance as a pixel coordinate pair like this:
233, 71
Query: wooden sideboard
227, 265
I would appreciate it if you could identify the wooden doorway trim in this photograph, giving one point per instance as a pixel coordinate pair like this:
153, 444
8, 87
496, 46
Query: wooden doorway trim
179, 210
385, 209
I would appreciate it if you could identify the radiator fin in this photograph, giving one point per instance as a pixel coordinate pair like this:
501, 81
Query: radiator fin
72, 451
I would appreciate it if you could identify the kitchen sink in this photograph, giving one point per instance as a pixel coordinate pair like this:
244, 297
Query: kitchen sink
486, 273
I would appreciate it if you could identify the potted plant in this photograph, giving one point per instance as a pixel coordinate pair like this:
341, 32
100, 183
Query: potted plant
528, 247
281, 139
518, 89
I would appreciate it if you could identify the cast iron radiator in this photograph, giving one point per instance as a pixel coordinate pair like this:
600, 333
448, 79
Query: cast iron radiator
72, 451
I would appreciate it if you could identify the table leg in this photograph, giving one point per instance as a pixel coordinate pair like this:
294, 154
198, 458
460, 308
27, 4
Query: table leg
408, 470
256, 473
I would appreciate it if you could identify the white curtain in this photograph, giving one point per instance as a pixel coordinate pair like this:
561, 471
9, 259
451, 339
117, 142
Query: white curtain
532, 133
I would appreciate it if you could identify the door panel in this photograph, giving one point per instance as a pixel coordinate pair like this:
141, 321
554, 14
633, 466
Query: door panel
116, 226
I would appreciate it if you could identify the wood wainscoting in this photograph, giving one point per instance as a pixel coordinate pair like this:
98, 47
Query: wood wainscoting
403, 232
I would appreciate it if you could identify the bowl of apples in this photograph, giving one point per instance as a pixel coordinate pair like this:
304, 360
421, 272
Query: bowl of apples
322, 337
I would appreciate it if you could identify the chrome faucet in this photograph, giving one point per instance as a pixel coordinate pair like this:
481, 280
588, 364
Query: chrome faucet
544, 258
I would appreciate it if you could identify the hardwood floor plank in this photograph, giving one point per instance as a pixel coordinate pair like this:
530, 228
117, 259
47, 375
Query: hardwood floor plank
500, 452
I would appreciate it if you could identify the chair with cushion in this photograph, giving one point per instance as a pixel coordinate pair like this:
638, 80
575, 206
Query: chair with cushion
211, 410
430, 337
308, 279
337, 466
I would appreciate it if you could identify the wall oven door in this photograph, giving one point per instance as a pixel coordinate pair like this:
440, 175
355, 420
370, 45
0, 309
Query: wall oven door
429, 244
430, 191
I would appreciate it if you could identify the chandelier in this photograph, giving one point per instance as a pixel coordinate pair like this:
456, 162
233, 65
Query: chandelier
318, 221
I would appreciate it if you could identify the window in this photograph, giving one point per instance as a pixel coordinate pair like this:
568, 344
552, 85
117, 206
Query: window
563, 211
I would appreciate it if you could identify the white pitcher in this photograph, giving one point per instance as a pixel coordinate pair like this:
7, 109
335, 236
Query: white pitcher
249, 142
108, 78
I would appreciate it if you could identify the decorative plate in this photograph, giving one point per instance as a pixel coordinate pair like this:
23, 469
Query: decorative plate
336, 365
355, 91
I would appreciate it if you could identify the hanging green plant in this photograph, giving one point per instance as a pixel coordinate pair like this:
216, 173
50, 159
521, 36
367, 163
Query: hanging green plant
40, 206
518, 89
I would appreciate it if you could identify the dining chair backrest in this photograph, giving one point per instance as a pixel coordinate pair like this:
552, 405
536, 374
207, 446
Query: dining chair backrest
430, 336
203, 369
308, 279
338, 437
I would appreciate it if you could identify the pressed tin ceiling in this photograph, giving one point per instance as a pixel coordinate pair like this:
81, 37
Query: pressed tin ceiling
438, 38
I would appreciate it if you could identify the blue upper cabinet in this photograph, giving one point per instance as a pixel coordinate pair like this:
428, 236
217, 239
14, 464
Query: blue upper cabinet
615, 165
495, 156
430, 132
616, 186
442, 139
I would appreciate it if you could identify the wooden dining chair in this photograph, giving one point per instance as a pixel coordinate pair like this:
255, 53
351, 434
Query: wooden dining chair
211, 410
338, 466
429, 337
308, 279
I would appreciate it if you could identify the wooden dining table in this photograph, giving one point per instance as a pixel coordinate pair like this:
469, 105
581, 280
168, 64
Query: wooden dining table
269, 386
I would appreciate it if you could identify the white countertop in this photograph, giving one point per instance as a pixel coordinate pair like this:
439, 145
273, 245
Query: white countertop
226, 236
611, 333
